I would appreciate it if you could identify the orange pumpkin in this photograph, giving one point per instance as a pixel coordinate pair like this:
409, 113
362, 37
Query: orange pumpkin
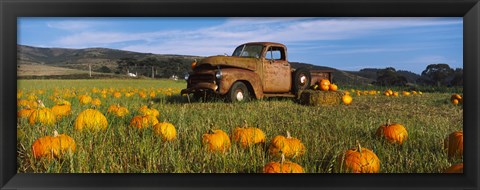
24, 113
143, 121
282, 167
42, 115
289, 146
216, 141
346, 99
96, 102
358, 160
388, 92
455, 145
117, 110
324, 84
248, 136
63, 108
455, 96
165, 130
147, 110
91, 119
85, 99
393, 133
456, 99
53, 146
332, 87
117, 95
457, 168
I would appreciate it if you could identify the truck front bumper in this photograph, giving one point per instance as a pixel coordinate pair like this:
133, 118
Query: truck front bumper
200, 87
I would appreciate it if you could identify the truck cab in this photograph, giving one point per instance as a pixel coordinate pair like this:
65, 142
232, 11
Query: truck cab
254, 70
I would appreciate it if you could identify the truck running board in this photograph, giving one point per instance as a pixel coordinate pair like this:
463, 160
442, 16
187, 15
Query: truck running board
279, 95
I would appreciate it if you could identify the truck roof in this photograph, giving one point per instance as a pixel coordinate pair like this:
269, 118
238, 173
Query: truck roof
265, 43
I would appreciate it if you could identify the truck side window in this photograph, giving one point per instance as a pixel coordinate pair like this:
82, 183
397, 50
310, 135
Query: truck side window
275, 53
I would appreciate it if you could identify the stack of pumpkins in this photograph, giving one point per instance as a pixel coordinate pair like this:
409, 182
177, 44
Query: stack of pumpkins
323, 93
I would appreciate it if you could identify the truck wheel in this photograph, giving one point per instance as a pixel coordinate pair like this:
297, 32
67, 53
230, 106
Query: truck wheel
301, 80
238, 93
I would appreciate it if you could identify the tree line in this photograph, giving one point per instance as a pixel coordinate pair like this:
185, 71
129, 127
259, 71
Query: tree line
434, 75
159, 67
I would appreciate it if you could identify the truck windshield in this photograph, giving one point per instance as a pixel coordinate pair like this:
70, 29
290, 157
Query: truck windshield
249, 50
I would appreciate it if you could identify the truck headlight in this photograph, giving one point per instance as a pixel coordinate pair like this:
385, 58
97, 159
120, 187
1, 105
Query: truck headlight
218, 74
186, 76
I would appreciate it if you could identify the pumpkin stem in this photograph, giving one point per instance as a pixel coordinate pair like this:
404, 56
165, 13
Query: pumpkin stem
288, 135
388, 122
210, 131
211, 127
283, 158
245, 123
150, 104
55, 133
40, 103
359, 147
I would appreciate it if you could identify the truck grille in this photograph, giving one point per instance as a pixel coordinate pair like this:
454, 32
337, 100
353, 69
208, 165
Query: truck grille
194, 79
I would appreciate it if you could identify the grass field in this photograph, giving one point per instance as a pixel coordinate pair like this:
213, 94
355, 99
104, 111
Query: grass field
326, 131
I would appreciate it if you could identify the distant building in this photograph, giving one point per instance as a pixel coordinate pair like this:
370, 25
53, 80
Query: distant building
132, 75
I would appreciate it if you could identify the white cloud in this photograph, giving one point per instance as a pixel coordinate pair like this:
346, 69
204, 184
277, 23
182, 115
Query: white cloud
368, 50
223, 38
74, 25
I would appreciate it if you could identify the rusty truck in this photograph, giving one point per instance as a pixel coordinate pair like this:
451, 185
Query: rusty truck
254, 70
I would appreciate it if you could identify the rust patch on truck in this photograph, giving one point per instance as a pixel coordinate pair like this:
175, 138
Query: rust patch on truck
239, 62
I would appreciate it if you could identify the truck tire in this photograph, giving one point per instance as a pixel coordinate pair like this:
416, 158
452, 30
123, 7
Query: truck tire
301, 80
238, 93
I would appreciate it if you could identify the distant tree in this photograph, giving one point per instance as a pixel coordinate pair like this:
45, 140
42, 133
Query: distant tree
457, 77
389, 77
437, 74
104, 69
124, 64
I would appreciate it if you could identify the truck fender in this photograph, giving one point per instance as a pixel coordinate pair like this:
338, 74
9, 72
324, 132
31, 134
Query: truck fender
232, 75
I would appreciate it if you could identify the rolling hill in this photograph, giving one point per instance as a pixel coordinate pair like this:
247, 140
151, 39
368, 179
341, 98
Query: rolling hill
36, 62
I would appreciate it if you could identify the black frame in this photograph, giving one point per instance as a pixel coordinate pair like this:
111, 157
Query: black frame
10, 10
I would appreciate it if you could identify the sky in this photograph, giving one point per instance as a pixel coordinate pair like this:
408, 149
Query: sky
342, 43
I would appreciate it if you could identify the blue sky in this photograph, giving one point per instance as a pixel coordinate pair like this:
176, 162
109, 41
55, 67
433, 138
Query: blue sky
343, 43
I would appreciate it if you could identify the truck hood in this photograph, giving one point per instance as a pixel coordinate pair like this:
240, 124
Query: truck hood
239, 62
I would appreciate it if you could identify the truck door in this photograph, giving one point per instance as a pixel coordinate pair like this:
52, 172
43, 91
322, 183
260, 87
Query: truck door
276, 71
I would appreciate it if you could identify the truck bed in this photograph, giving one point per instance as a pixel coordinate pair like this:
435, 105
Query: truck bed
318, 75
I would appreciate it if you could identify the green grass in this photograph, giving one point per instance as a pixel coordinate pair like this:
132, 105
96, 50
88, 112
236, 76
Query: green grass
325, 131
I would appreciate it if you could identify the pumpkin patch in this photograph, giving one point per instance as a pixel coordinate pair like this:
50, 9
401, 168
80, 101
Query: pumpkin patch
184, 143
